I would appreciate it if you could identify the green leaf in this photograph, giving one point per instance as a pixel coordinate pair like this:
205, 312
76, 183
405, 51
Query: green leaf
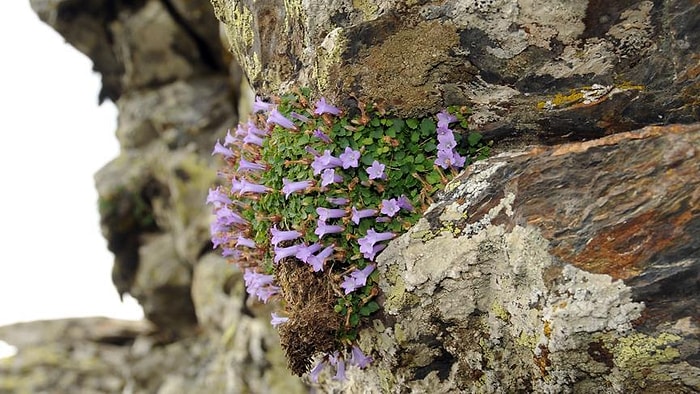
375, 122
354, 320
427, 127
412, 123
367, 141
474, 138
419, 158
370, 308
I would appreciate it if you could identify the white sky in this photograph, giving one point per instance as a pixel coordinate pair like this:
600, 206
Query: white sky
54, 262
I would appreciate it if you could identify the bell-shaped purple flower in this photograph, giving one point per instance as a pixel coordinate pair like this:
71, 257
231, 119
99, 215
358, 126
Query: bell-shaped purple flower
367, 242
390, 207
319, 260
298, 116
358, 358
305, 252
444, 119
282, 253
322, 136
323, 229
277, 118
376, 170
249, 187
243, 241
290, 187
329, 213
282, 235
325, 161
360, 214
260, 285
277, 319
226, 216
221, 150
339, 201
405, 203
350, 158
322, 107
261, 106
329, 177
317, 371
217, 197
245, 165
229, 139
253, 139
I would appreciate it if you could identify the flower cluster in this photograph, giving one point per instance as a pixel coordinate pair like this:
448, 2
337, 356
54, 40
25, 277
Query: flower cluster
306, 186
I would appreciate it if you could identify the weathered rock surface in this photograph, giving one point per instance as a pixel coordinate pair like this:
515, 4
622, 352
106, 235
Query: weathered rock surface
529, 70
573, 268
561, 268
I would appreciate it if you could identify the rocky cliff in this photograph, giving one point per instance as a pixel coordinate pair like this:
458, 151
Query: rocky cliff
569, 262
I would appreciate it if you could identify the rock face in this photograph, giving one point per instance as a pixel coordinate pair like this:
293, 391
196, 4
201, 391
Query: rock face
530, 70
568, 266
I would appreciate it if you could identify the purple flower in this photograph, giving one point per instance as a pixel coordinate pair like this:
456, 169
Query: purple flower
226, 216
217, 197
356, 279
405, 203
300, 117
329, 213
291, 187
361, 275
349, 158
260, 105
277, 319
457, 160
446, 137
322, 228
376, 170
373, 253
358, 358
445, 158
240, 131
445, 118
325, 161
324, 108
358, 215
317, 371
321, 136
339, 201
312, 151
259, 285
281, 236
245, 165
447, 144
229, 139
340, 370
277, 118
367, 242
249, 187
319, 260
231, 252
305, 252
282, 253
390, 207
253, 139
221, 150
329, 176
252, 128
243, 241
